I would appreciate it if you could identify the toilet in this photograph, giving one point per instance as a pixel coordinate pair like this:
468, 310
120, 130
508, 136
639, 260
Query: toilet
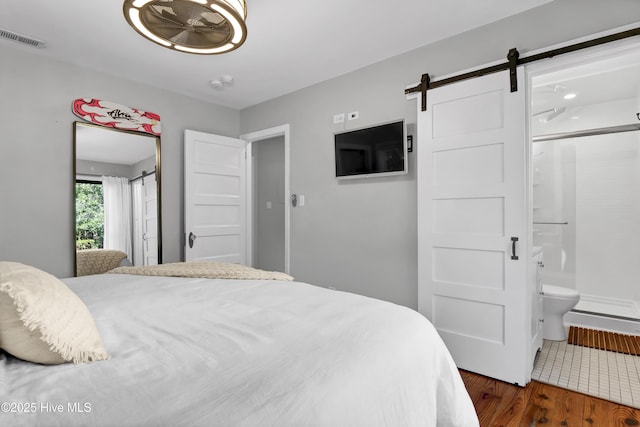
556, 301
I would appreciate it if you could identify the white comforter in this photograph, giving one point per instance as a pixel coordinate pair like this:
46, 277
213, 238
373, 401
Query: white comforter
203, 352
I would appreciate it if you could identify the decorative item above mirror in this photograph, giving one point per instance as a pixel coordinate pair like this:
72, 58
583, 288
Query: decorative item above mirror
117, 187
110, 114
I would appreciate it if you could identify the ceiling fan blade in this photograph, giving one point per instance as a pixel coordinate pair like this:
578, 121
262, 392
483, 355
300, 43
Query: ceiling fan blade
156, 17
189, 13
181, 37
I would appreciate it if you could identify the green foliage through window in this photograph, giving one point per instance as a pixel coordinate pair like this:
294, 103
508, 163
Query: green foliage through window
89, 215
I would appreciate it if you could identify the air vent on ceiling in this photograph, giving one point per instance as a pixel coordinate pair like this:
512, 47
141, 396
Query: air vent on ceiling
5, 34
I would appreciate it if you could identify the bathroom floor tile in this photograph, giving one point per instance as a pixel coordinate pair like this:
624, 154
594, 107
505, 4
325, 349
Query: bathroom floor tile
600, 373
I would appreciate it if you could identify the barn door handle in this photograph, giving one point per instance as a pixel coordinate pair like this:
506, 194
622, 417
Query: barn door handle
513, 248
192, 238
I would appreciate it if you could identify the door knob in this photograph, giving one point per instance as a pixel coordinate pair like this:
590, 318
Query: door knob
192, 238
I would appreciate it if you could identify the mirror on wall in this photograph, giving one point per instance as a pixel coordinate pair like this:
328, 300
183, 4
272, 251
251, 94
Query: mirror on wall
117, 196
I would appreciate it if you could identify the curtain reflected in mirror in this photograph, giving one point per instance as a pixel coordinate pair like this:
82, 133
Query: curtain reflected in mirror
117, 203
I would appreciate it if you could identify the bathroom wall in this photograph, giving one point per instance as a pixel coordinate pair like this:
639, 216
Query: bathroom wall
554, 204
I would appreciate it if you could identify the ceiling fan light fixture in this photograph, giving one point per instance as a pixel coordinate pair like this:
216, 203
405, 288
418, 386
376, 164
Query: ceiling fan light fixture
222, 49
205, 27
233, 20
140, 3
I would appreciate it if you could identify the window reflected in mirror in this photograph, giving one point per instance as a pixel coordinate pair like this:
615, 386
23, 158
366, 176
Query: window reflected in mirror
89, 214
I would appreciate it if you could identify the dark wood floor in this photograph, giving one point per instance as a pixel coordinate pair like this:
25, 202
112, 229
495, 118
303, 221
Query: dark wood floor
501, 404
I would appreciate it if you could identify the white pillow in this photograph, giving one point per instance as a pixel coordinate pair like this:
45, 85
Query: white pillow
43, 321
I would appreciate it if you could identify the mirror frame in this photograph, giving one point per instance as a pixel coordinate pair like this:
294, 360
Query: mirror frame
158, 184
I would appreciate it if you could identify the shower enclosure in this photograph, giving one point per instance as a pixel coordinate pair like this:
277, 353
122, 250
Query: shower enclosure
586, 182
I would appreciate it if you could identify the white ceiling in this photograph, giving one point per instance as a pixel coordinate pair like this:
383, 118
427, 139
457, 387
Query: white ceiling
291, 44
102, 144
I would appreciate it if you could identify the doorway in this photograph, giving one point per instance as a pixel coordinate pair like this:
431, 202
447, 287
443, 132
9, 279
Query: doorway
585, 125
268, 192
268, 204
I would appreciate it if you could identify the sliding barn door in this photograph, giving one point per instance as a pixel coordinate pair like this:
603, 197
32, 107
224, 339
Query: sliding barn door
215, 198
144, 200
150, 219
138, 233
471, 209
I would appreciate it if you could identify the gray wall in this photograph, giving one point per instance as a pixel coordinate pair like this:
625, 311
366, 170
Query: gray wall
357, 236
97, 169
147, 165
360, 236
36, 213
269, 188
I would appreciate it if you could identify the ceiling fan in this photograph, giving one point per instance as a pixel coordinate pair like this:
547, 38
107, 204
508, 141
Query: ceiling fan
192, 26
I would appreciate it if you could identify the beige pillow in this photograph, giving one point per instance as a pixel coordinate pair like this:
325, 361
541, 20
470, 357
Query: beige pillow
97, 261
43, 321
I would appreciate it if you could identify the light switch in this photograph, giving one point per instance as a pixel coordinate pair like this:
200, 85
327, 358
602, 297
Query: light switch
301, 200
268, 205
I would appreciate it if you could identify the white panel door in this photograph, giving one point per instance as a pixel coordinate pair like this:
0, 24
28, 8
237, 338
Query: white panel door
471, 202
150, 219
215, 198
144, 198
138, 220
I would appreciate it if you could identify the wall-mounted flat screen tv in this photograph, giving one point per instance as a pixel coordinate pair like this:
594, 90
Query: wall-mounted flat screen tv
372, 151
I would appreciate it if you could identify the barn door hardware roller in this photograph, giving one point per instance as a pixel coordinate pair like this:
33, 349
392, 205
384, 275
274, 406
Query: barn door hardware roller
426, 83
512, 57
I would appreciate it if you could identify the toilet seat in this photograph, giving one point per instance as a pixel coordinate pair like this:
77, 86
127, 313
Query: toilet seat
559, 292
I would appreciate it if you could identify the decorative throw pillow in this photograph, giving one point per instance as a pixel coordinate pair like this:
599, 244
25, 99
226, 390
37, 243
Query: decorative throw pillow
43, 321
98, 261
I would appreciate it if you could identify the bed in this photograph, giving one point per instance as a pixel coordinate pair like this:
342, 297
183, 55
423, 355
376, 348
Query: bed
196, 351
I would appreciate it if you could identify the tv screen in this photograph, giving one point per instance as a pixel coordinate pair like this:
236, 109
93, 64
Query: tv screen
372, 151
